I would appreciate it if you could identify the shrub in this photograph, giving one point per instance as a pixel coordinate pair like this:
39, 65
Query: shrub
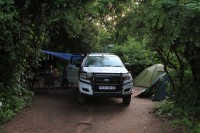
136, 54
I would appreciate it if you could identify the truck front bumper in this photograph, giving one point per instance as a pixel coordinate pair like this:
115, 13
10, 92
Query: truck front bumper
93, 90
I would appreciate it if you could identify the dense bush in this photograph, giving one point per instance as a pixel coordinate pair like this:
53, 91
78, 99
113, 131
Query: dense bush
171, 29
14, 98
185, 119
27, 26
136, 54
19, 53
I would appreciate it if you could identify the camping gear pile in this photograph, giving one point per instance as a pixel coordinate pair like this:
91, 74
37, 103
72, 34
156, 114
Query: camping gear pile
156, 82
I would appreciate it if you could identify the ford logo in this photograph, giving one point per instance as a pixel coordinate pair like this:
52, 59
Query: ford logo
106, 80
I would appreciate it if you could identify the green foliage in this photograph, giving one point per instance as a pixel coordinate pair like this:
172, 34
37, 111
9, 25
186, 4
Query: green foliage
171, 28
168, 108
197, 128
28, 26
13, 100
2, 130
20, 43
135, 53
77, 26
177, 116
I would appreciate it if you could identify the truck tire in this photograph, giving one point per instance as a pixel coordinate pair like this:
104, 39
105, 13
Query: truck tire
126, 99
81, 98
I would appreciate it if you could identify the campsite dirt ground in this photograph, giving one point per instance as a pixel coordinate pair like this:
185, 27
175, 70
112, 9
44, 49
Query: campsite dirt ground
59, 112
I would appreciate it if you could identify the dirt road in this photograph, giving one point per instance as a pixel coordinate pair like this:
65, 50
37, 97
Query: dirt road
60, 113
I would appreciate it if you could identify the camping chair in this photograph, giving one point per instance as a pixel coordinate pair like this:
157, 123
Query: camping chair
49, 81
58, 82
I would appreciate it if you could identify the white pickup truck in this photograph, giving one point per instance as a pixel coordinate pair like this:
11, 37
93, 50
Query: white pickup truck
100, 74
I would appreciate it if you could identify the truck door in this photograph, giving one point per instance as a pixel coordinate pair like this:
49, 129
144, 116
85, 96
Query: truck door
73, 69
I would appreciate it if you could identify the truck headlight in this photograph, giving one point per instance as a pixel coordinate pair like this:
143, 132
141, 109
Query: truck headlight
127, 77
85, 77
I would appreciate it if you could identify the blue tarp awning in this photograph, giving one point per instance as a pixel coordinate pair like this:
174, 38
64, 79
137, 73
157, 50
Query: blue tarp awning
65, 56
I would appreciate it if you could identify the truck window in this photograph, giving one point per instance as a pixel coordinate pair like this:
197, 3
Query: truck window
103, 61
76, 60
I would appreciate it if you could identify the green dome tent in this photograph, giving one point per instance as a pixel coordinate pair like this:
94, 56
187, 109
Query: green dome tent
148, 75
159, 90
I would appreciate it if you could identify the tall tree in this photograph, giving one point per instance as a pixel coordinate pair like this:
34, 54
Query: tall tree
171, 29
27, 26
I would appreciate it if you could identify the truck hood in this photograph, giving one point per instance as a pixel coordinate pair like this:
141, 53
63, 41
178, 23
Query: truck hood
105, 69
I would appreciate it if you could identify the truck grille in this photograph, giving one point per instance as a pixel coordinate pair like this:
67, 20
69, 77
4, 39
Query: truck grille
107, 80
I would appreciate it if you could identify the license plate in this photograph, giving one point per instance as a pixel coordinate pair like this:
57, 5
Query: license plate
107, 87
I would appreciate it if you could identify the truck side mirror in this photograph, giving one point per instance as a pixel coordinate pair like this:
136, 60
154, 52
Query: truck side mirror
127, 65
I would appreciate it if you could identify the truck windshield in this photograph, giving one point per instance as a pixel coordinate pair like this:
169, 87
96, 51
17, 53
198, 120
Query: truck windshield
103, 61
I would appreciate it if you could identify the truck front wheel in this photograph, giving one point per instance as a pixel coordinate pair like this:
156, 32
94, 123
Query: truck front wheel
126, 99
